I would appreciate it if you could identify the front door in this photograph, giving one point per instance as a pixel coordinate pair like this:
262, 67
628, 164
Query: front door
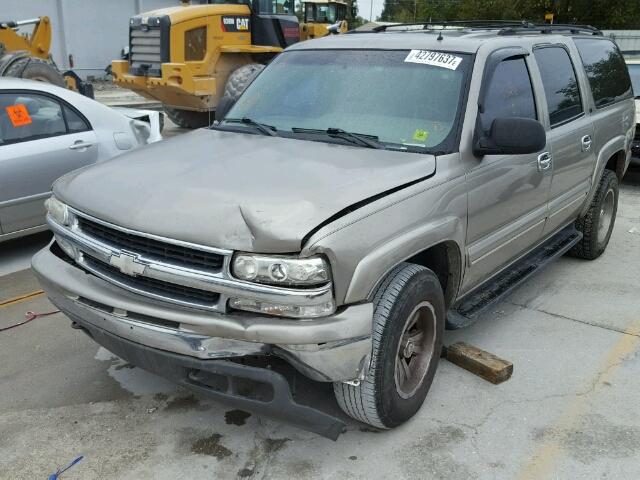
41, 139
507, 193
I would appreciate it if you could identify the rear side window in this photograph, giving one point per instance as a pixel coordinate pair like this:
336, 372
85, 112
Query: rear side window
560, 84
606, 70
510, 93
75, 122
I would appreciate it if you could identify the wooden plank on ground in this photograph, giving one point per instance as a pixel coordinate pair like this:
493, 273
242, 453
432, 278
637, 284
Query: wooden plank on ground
484, 364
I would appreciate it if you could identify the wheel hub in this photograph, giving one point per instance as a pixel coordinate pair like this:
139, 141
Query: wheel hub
409, 349
415, 350
606, 216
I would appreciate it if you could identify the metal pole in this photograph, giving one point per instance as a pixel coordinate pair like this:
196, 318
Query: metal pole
371, 12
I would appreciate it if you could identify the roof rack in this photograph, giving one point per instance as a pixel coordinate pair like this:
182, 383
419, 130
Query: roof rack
551, 28
504, 27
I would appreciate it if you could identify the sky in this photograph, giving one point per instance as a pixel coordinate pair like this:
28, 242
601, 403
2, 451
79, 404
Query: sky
364, 8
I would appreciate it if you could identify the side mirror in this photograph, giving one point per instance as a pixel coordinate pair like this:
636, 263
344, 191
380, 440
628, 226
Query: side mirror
224, 105
512, 136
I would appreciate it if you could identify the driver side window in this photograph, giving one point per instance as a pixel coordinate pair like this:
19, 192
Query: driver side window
510, 93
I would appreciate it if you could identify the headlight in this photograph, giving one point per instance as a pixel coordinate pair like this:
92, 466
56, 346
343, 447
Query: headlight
281, 270
58, 211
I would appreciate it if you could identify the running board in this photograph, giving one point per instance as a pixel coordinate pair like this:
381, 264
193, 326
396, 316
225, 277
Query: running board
467, 310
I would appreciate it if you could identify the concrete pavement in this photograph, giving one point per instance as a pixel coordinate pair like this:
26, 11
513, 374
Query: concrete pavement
570, 410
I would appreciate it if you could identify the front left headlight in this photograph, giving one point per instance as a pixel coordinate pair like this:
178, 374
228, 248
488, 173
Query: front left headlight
58, 211
281, 270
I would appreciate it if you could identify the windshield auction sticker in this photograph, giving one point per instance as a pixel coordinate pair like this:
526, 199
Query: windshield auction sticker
19, 115
437, 59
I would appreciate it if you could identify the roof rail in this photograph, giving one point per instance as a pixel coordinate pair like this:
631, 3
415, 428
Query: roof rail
438, 25
551, 28
504, 27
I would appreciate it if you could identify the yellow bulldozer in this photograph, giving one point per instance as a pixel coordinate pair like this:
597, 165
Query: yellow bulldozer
322, 17
28, 55
190, 57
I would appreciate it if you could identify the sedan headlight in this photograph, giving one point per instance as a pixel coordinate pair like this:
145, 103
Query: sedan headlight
58, 211
281, 270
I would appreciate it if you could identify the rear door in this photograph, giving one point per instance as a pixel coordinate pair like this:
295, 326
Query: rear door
507, 193
570, 135
41, 139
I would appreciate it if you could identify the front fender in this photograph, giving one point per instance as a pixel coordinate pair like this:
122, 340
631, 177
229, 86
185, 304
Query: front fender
364, 245
379, 262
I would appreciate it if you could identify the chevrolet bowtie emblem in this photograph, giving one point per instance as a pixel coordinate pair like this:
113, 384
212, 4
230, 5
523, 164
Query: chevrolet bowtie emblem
128, 264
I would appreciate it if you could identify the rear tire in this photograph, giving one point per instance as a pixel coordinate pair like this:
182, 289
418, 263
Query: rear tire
596, 226
36, 69
189, 118
238, 81
408, 325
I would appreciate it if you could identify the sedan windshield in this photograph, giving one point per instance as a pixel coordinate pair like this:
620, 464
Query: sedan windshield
403, 100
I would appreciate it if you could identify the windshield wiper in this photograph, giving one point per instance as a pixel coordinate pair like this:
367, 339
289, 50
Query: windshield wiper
369, 141
262, 127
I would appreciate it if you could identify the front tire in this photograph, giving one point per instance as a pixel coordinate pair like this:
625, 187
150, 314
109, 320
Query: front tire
189, 118
238, 81
596, 226
36, 69
408, 325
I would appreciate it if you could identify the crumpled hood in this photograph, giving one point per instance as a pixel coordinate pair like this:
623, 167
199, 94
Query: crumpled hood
236, 191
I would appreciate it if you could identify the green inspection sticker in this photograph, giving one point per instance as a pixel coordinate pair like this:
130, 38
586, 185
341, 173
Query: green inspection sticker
420, 135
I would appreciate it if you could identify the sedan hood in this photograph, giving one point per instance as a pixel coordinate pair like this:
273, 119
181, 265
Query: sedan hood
237, 191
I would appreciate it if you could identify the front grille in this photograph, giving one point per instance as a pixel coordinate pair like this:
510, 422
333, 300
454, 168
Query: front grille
153, 286
145, 51
152, 249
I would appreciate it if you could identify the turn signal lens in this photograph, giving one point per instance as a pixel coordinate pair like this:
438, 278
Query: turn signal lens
293, 311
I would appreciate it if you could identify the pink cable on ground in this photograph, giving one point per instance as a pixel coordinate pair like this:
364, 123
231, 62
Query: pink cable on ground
30, 316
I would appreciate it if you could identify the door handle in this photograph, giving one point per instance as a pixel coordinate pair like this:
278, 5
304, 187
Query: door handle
544, 161
586, 143
79, 145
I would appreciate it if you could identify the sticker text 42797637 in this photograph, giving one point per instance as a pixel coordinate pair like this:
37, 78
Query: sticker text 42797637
437, 59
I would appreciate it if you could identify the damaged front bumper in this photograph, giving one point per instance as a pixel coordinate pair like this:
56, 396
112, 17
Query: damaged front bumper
256, 389
187, 345
326, 349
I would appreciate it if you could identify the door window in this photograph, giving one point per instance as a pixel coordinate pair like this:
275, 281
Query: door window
26, 116
510, 93
560, 84
607, 73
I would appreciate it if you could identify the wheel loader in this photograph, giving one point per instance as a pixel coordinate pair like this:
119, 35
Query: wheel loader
322, 17
190, 56
25, 55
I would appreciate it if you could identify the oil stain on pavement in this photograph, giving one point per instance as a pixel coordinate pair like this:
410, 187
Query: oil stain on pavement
211, 446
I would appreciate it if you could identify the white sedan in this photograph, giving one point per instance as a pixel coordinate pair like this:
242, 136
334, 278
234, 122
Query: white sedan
47, 131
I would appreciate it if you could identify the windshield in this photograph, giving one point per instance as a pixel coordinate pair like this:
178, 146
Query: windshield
320, 13
634, 71
394, 96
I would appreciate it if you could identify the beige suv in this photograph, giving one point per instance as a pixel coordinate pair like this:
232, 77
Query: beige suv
365, 191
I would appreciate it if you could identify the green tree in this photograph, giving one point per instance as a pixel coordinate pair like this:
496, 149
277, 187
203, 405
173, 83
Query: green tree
605, 14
